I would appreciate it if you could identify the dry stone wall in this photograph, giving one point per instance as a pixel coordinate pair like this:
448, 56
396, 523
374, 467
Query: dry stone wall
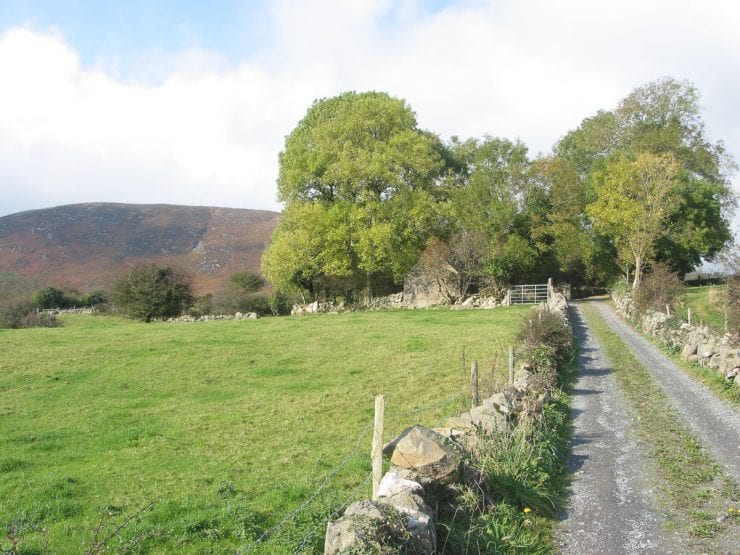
697, 344
424, 462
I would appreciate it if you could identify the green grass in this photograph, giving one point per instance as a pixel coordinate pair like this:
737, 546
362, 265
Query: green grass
705, 309
695, 489
223, 427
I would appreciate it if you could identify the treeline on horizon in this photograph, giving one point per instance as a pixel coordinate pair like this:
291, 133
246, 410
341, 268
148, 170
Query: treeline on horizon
366, 192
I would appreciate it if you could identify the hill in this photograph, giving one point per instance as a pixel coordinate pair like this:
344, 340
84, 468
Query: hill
87, 246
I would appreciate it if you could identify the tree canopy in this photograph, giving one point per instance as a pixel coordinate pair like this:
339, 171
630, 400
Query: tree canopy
149, 291
358, 179
366, 191
661, 118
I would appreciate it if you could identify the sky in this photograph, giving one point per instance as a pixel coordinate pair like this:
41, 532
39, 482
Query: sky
189, 102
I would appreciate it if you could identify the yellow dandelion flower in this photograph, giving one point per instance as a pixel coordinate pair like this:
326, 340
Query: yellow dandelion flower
527, 510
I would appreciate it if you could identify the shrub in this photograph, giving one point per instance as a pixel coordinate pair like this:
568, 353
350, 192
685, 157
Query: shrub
281, 303
660, 288
148, 291
546, 340
22, 314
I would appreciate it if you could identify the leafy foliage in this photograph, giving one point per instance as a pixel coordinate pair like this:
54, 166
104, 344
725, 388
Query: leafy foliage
149, 291
247, 282
357, 177
366, 192
660, 118
634, 200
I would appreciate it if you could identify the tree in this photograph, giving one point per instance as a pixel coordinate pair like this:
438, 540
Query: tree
662, 117
358, 179
149, 291
634, 201
49, 297
247, 282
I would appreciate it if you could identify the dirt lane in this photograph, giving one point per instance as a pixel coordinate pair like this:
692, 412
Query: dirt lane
611, 507
715, 424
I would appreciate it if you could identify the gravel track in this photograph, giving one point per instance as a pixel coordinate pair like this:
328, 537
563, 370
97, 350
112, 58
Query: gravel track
716, 425
611, 506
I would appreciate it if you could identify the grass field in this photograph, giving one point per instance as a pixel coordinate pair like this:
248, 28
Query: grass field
216, 430
705, 308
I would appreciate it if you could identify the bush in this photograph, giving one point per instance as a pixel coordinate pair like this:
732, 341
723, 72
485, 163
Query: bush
659, 288
22, 314
546, 340
148, 291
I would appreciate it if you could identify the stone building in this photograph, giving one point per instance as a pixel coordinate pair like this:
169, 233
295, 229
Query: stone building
432, 281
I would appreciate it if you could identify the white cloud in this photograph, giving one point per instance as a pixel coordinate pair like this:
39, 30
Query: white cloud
196, 128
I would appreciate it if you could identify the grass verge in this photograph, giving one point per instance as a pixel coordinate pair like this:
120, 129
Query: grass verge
700, 498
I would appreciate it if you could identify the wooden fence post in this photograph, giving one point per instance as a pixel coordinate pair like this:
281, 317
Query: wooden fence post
511, 364
689, 315
377, 448
464, 366
475, 399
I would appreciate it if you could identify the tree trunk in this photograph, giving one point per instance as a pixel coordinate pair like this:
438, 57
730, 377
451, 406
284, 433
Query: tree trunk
638, 273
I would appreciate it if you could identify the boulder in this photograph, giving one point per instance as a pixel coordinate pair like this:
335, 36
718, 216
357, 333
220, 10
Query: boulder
365, 528
426, 452
488, 419
687, 351
405, 496
462, 422
396, 481
418, 519
501, 403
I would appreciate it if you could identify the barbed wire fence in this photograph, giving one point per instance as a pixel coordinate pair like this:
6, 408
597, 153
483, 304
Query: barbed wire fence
359, 448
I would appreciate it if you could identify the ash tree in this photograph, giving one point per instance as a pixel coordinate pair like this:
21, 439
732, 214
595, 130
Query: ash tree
661, 120
359, 182
150, 291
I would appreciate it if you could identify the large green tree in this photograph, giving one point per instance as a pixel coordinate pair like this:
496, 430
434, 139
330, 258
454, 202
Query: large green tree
661, 117
634, 201
149, 291
491, 198
359, 183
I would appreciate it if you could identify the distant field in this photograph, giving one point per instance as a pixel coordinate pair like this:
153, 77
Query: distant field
224, 427
705, 308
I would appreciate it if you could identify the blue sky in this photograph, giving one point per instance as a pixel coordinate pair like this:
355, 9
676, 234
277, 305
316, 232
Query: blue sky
187, 102
123, 30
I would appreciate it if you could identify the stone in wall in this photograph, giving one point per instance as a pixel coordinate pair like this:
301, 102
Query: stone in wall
426, 452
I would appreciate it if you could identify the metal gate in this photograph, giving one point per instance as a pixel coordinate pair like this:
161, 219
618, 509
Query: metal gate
524, 294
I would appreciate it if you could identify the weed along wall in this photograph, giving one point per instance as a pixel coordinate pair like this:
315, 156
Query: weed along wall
446, 478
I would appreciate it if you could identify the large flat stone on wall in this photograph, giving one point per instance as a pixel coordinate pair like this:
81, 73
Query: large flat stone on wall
426, 452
